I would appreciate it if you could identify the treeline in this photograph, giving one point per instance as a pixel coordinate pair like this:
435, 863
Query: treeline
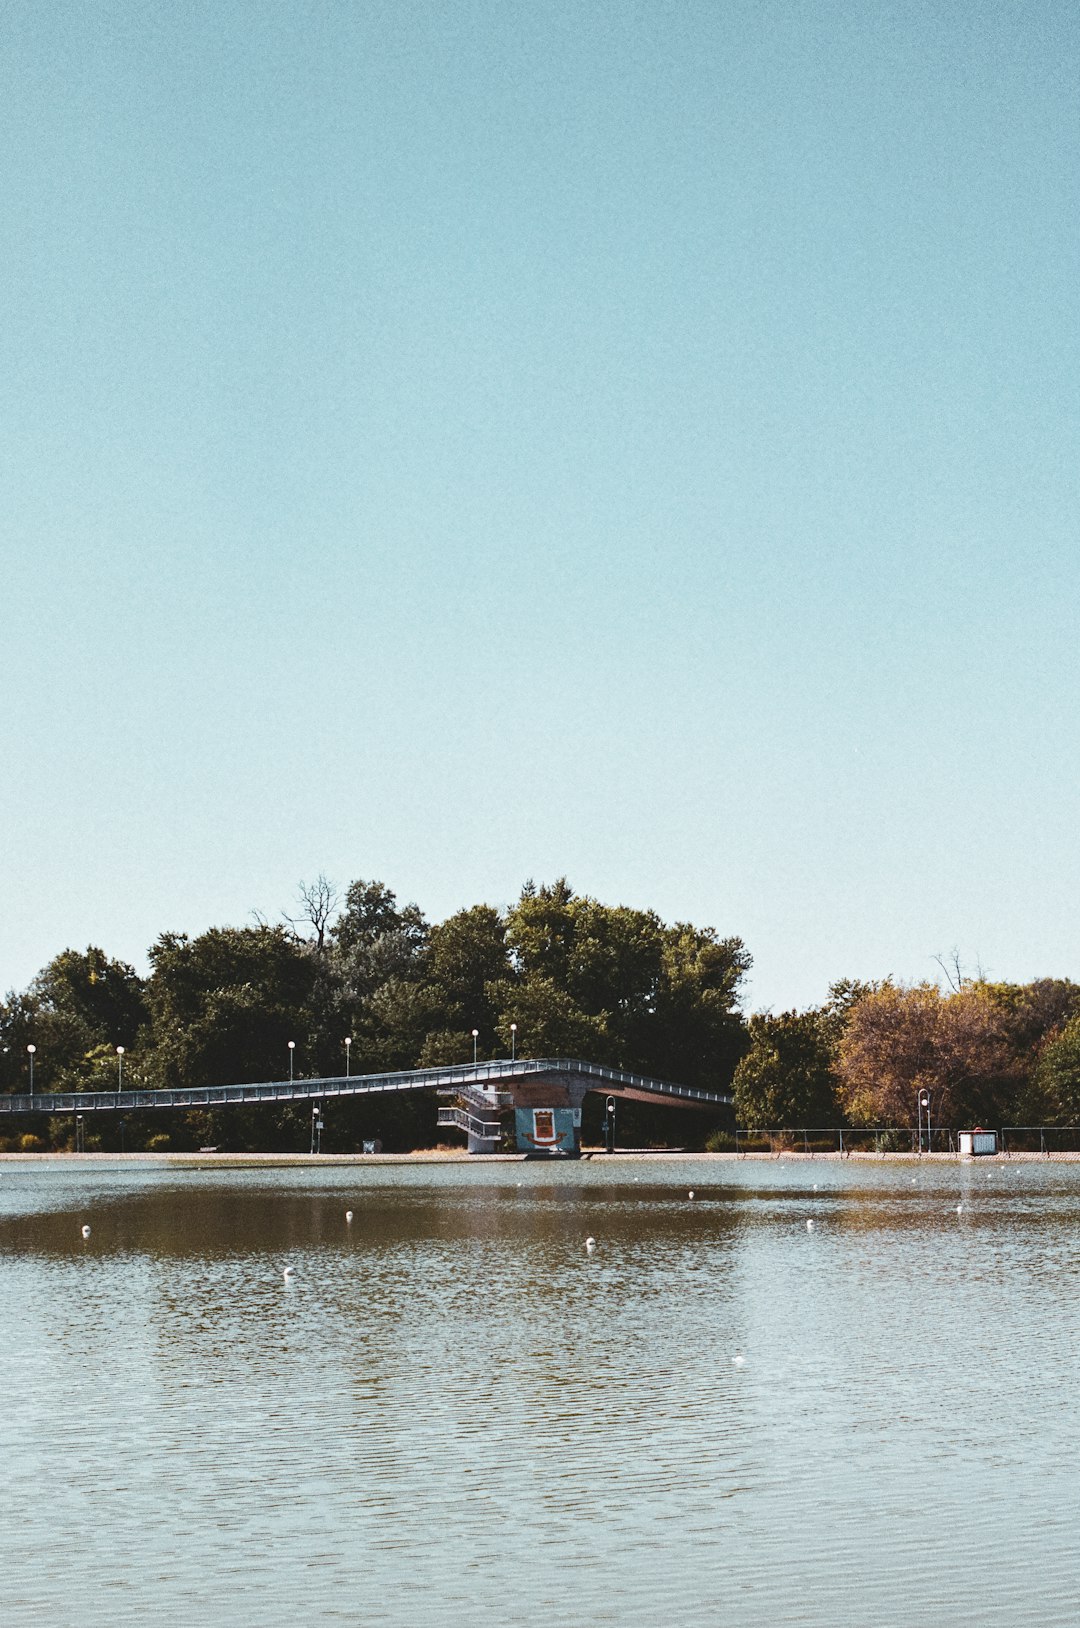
985, 1053
559, 974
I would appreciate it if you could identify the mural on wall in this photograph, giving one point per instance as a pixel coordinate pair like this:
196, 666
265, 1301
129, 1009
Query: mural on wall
547, 1130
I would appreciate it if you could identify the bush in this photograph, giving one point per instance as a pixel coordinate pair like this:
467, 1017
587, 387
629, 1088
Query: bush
161, 1143
31, 1144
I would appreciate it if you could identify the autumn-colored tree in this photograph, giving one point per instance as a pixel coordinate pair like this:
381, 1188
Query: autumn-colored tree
903, 1039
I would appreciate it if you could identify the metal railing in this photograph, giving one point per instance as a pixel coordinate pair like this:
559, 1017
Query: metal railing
473, 1097
453, 1076
835, 1139
1045, 1139
460, 1119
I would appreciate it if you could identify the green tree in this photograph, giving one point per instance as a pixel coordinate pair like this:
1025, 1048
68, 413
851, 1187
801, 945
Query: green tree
540, 932
786, 1078
611, 983
78, 1009
374, 939
368, 947
226, 1004
549, 1021
656, 999
398, 1021
698, 1032
844, 996
467, 955
108, 996
1057, 1078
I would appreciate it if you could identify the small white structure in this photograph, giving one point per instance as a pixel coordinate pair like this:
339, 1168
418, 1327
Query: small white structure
977, 1142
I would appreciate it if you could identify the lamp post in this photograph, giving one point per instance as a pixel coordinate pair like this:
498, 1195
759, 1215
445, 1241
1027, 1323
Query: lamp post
292, 1049
119, 1068
513, 1041
474, 1035
316, 1125
348, 1043
30, 1050
922, 1100
926, 1107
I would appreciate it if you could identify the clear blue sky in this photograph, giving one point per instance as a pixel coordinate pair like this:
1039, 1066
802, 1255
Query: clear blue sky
459, 442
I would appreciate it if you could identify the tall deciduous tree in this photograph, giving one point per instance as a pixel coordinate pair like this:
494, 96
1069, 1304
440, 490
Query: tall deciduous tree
549, 1021
226, 1004
1057, 1078
375, 938
318, 901
649, 997
370, 988
467, 956
78, 1009
900, 1040
786, 1076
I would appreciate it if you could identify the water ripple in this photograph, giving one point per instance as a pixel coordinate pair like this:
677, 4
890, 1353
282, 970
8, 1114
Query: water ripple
452, 1412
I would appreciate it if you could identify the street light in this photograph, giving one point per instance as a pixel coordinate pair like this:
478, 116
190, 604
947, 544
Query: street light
922, 1099
316, 1126
348, 1043
30, 1053
474, 1035
292, 1048
926, 1105
119, 1068
513, 1041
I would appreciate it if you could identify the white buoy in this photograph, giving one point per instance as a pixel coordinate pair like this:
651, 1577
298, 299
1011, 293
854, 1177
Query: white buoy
348, 1215
289, 1272
959, 1209
86, 1232
815, 1187
809, 1225
590, 1245
739, 1360
690, 1194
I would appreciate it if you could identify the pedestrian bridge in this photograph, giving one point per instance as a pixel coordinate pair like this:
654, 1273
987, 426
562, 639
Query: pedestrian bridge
516, 1081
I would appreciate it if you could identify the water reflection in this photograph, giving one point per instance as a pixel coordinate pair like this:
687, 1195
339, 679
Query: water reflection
454, 1412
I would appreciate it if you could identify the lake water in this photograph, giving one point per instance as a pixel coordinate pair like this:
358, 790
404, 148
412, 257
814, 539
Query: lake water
455, 1414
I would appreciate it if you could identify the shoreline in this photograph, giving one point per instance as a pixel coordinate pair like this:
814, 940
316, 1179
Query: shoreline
440, 1156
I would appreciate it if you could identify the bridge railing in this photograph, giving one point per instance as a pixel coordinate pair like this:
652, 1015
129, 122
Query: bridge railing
451, 1076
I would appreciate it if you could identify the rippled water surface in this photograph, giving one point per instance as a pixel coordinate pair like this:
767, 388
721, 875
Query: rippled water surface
453, 1413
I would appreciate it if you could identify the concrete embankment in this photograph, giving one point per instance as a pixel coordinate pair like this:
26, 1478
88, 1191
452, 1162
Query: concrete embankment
441, 1156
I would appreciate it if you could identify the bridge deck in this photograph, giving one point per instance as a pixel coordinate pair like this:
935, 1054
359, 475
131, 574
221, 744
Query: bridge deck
490, 1076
